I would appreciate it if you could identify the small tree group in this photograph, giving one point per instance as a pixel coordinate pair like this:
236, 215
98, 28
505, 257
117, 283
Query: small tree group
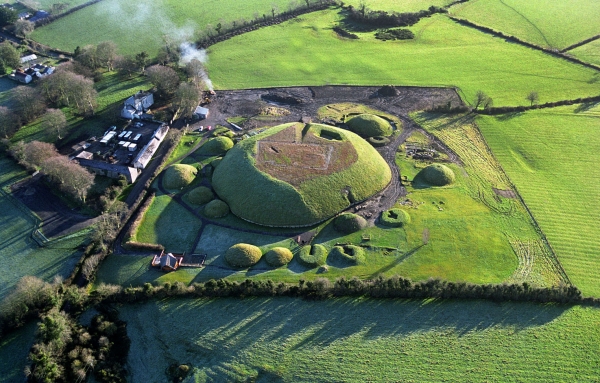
483, 100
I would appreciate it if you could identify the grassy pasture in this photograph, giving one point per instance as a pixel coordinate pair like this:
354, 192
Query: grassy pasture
548, 23
442, 54
551, 156
399, 6
589, 52
14, 349
168, 223
354, 340
142, 25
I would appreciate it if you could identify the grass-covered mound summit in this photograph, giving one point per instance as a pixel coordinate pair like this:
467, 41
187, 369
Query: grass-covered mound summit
298, 175
179, 176
437, 175
369, 125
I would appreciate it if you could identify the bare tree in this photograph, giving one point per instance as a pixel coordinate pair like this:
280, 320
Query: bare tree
533, 97
142, 60
106, 53
487, 103
68, 176
27, 103
23, 28
186, 100
58, 8
35, 153
9, 122
66, 88
165, 79
54, 122
88, 56
126, 66
480, 97
196, 73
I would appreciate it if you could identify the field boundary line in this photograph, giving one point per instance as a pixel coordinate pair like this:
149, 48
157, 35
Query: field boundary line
582, 42
553, 52
529, 21
554, 259
36, 234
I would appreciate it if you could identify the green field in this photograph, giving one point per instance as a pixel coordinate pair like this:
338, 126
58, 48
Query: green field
589, 52
548, 23
14, 350
551, 156
399, 6
350, 340
21, 255
443, 54
142, 25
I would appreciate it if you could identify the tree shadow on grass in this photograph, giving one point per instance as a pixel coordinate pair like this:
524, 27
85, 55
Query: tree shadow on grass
396, 262
245, 325
586, 106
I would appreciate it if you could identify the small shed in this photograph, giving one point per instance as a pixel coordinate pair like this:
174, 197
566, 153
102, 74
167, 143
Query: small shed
167, 262
201, 113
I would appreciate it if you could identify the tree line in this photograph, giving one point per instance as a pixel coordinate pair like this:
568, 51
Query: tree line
383, 19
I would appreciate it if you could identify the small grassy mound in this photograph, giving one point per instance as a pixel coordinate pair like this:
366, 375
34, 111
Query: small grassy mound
395, 218
312, 256
349, 223
200, 195
179, 176
347, 255
437, 175
217, 145
378, 141
369, 125
278, 256
216, 209
243, 255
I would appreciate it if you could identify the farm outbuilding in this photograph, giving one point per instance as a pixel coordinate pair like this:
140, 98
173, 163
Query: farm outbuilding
167, 262
201, 113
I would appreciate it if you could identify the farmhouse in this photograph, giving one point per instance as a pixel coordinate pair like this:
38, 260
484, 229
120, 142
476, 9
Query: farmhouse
122, 153
137, 106
20, 76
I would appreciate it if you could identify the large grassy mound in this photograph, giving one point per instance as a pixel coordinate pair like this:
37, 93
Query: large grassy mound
243, 255
179, 176
200, 195
349, 223
218, 145
298, 175
279, 256
437, 175
216, 209
369, 125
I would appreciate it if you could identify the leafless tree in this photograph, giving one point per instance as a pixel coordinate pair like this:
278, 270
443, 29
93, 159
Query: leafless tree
35, 153
533, 97
68, 176
27, 103
23, 28
196, 73
54, 122
126, 66
9, 122
106, 53
186, 100
66, 88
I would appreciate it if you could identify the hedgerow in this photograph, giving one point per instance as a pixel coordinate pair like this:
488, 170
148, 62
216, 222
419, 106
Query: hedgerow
312, 256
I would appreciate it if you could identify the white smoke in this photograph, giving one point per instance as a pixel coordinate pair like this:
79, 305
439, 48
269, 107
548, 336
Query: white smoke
188, 53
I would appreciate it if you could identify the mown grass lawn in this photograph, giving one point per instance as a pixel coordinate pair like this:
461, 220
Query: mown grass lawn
306, 51
552, 157
358, 340
143, 25
548, 23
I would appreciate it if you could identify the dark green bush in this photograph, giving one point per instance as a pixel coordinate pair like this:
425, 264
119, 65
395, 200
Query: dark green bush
278, 256
312, 256
243, 255
395, 34
200, 195
347, 255
395, 217
216, 209
349, 223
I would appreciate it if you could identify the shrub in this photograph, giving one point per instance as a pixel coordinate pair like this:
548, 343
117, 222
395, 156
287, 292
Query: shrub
395, 34
278, 256
179, 176
312, 256
378, 141
217, 145
437, 175
347, 255
395, 217
200, 195
369, 125
243, 255
216, 209
349, 223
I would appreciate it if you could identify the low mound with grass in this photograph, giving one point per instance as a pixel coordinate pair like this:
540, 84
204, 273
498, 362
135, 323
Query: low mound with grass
369, 125
349, 223
200, 195
216, 209
218, 145
437, 175
312, 256
347, 255
243, 255
278, 256
378, 141
179, 176
395, 218
298, 174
